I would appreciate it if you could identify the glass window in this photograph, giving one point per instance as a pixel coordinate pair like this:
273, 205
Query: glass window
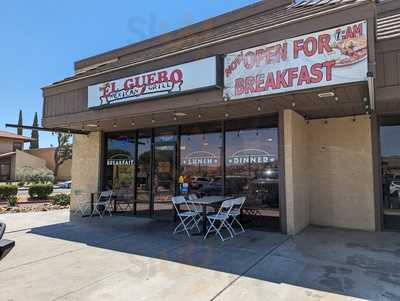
390, 162
252, 166
120, 163
164, 171
200, 160
143, 178
5, 171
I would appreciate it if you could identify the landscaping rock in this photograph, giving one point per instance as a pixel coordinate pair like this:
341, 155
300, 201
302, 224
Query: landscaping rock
30, 208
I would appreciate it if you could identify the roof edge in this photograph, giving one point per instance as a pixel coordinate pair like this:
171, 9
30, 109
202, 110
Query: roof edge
240, 13
385, 8
113, 69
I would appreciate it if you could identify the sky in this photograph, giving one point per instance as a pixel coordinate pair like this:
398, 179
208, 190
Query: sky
41, 39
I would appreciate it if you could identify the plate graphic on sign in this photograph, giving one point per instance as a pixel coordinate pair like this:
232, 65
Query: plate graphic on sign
163, 82
331, 57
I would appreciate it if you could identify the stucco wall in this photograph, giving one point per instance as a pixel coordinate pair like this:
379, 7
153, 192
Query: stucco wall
23, 159
6, 146
328, 172
47, 154
64, 171
85, 167
296, 167
341, 173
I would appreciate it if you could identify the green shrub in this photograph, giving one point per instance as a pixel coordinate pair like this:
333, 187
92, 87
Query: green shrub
41, 191
34, 175
7, 191
21, 184
62, 199
12, 200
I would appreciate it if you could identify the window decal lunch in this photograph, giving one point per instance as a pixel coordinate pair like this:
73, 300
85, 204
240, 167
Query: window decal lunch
168, 81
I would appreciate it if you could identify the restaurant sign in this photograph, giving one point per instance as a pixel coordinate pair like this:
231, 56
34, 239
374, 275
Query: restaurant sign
330, 57
164, 82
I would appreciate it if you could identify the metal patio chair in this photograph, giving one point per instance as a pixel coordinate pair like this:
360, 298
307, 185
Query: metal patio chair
82, 202
235, 213
222, 216
103, 204
189, 218
5, 244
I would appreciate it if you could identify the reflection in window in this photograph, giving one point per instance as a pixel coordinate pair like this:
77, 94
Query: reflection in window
143, 179
201, 163
390, 162
5, 169
252, 166
120, 163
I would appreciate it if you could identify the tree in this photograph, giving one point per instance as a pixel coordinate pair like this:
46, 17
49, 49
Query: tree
35, 134
20, 123
63, 151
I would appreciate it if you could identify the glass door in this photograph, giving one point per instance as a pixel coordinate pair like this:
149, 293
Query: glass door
143, 174
120, 167
164, 176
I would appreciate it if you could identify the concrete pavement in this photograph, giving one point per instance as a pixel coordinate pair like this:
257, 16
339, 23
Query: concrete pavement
125, 258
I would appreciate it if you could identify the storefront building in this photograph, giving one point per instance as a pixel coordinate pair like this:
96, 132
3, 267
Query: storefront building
291, 105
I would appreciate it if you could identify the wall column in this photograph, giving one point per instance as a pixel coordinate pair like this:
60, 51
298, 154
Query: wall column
86, 157
296, 172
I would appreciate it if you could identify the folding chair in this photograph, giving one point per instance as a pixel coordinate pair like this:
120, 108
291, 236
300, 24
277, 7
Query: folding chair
222, 217
5, 244
235, 214
82, 203
104, 201
188, 218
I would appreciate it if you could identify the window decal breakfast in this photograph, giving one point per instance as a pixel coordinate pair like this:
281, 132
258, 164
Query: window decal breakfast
164, 82
331, 57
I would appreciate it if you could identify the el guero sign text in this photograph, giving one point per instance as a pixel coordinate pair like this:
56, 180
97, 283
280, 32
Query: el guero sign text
163, 82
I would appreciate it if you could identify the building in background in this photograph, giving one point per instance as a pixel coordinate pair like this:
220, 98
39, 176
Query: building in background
47, 154
13, 156
294, 105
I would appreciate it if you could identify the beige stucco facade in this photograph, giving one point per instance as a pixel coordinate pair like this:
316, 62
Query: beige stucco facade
6, 146
47, 154
86, 157
328, 172
22, 159
296, 168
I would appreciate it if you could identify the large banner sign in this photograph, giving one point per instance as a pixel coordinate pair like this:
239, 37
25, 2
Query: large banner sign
330, 57
163, 82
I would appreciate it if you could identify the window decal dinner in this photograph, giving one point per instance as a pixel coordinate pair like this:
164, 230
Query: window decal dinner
250, 156
168, 81
331, 57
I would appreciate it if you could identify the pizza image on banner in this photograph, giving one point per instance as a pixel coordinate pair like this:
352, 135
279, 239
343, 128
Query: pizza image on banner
331, 57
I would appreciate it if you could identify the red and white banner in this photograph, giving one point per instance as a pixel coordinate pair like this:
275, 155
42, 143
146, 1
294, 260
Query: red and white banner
330, 57
182, 78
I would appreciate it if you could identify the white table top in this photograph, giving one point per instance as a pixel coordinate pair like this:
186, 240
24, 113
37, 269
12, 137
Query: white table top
208, 200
